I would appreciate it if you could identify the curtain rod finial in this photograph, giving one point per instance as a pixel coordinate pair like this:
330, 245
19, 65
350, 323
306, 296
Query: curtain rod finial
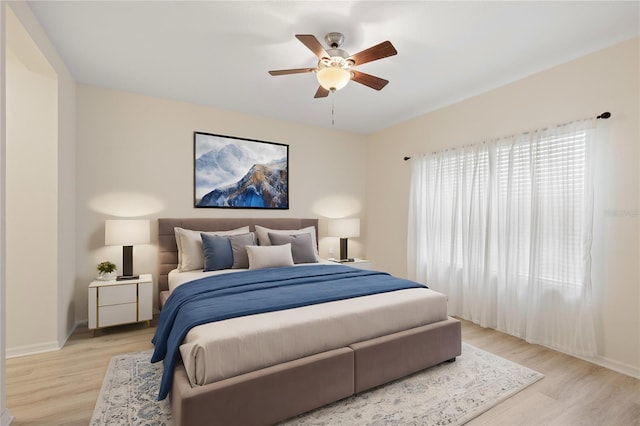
604, 115
407, 158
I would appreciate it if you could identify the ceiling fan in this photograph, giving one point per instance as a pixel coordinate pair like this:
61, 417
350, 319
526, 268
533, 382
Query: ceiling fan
335, 66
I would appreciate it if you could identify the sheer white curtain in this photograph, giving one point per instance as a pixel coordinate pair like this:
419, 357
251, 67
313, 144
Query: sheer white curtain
504, 228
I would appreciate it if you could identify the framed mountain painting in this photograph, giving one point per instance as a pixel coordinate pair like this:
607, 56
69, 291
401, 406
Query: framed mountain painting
238, 173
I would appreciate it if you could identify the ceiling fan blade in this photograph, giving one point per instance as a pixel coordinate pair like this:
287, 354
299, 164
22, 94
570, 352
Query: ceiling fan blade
313, 45
374, 53
291, 71
321, 93
369, 80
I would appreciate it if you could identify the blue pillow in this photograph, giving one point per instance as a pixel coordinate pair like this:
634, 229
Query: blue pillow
217, 252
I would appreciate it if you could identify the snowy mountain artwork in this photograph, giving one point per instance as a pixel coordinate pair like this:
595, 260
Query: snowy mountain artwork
234, 172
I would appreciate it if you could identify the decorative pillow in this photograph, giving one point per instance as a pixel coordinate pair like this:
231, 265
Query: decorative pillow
190, 252
239, 249
261, 257
217, 252
301, 246
263, 235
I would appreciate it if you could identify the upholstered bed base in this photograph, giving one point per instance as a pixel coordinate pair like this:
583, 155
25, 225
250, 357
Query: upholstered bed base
277, 393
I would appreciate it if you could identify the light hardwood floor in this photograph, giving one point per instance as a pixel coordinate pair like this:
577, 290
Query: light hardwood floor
60, 388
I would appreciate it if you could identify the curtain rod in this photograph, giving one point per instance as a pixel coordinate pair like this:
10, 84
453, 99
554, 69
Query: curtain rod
605, 115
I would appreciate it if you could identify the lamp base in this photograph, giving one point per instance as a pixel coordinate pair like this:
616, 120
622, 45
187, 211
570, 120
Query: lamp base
343, 250
127, 277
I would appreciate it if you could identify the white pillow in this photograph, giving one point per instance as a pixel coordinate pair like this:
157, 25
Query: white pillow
261, 257
190, 251
264, 240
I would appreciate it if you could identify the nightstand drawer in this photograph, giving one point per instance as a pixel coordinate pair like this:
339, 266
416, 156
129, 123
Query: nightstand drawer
117, 314
117, 294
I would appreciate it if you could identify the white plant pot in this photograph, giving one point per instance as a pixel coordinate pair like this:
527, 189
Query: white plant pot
107, 276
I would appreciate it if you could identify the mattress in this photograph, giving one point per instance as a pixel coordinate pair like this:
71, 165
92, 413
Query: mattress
224, 349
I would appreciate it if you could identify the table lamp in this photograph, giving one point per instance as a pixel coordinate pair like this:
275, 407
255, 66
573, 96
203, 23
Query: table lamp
126, 233
344, 229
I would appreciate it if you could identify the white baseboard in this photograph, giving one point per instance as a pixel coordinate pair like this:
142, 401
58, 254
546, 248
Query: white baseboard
617, 366
32, 349
5, 418
602, 361
41, 347
620, 367
73, 329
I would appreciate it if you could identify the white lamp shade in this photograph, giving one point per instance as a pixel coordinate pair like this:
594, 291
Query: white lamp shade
344, 228
333, 78
126, 232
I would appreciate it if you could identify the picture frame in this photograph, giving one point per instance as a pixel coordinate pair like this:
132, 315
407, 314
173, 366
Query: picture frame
239, 173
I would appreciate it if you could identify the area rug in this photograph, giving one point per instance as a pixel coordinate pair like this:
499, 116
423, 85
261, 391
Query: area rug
447, 394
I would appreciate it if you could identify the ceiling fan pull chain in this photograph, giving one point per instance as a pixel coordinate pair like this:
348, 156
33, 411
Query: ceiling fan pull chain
333, 96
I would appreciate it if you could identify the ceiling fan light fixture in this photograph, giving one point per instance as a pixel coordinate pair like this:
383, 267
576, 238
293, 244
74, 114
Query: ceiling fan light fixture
333, 78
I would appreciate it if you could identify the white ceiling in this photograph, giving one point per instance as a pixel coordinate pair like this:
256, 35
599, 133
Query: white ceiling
218, 53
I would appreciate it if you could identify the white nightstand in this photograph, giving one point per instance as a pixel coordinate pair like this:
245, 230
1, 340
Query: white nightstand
120, 302
357, 263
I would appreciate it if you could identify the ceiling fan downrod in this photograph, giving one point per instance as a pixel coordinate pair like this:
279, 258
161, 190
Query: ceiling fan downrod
334, 40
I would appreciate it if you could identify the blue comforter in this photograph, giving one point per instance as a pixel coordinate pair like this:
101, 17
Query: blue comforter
227, 296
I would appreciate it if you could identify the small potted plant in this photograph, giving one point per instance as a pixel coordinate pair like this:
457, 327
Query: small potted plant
106, 270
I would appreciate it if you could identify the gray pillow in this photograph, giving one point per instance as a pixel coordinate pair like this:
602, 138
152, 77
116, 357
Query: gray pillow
301, 246
239, 245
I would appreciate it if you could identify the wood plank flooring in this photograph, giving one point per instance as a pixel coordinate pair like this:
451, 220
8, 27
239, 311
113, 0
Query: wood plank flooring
573, 392
61, 387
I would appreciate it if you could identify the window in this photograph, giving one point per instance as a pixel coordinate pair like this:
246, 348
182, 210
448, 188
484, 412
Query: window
551, 170
504, 228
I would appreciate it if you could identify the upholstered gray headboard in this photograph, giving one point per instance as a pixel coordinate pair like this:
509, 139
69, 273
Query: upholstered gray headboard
168, 251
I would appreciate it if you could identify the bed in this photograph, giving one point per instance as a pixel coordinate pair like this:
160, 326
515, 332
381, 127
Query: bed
267, 392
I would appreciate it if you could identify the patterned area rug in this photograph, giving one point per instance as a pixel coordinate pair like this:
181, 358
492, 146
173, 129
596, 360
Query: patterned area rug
447, 394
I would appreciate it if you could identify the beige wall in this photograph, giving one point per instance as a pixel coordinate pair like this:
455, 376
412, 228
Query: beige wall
40, 188
604, 81
135, 159
31, 206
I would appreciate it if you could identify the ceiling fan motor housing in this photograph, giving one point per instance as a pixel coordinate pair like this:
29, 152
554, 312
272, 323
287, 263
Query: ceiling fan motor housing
339, 53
